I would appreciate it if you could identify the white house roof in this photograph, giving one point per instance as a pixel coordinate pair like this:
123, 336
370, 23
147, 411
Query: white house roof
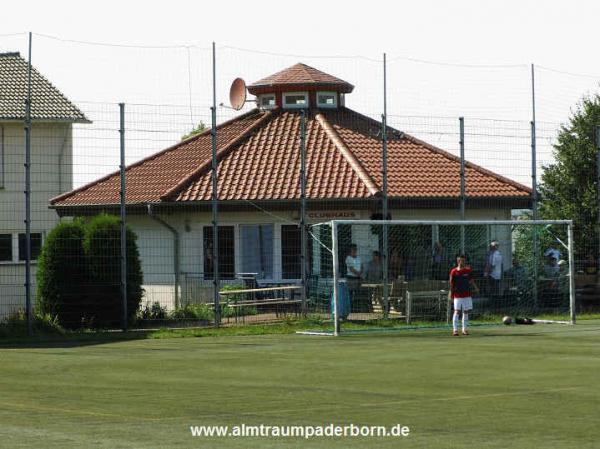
47, 102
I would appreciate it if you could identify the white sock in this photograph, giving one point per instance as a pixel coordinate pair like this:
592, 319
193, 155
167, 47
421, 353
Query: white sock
465, 321
455, 321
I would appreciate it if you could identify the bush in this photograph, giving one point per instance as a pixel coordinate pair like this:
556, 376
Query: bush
102, 245
61, 291
16, 324
154, 312
200, 312
79, 274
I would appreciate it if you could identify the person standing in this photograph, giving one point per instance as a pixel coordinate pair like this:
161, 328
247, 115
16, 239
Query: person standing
374, 271
495, 263
439, 267
461, 285
354, 271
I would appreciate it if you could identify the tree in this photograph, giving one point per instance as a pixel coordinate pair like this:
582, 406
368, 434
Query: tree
102, 245
194, 132
79, 273
60, 291
569, 186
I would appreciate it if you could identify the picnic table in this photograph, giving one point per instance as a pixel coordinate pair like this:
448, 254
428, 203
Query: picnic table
280, 302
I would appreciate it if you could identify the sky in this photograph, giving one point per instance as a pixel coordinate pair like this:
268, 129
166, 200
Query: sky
445, 60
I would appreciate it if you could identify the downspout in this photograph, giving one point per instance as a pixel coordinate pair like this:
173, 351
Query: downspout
175, 249
61, 156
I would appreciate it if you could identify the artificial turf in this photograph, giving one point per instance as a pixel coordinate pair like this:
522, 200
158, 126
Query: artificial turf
518, 387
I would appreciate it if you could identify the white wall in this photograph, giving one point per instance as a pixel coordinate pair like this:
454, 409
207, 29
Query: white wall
156, 245
51, 174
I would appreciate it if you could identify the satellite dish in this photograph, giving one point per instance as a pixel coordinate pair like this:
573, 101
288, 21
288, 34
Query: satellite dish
237, 94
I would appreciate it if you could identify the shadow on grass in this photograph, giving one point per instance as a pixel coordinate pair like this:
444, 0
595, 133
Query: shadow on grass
71, 339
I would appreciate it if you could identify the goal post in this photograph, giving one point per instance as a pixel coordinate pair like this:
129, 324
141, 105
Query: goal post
523, 268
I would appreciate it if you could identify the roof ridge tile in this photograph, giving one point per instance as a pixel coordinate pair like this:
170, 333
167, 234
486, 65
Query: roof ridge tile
347, 153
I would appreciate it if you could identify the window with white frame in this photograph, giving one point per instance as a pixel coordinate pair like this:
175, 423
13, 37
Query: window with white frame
266, 101
256, 242
327, 99
295, 100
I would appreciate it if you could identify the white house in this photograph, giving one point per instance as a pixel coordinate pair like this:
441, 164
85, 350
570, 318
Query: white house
168, 194
53, 116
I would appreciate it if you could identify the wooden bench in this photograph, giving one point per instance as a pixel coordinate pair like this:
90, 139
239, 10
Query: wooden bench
277, 302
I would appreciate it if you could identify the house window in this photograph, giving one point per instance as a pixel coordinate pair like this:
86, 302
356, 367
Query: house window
295, 100
6, 248
327, 99
226, 252
36, 246
290, 251
267, 101
257, 250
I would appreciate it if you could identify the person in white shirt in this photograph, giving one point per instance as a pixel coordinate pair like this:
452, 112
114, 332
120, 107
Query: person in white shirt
353, 264
354, 271
495, 267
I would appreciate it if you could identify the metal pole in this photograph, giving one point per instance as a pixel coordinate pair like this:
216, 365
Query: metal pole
384, 174
336, 270
533, 147
303, 250
123, 218
461, 122
572, 305
215, 193
598, 188
28, 198
534, 192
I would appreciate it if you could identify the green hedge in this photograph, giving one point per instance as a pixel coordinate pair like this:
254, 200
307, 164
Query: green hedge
79, 273
62, 273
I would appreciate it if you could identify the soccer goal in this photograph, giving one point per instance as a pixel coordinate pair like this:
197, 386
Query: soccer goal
394, 274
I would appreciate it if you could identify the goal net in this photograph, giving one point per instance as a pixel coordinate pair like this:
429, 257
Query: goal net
395, 273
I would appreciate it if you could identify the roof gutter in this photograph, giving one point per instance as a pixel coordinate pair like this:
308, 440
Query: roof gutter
175, 248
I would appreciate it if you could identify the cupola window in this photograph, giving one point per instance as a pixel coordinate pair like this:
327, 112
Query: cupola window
295, 100
326, 99
267, 101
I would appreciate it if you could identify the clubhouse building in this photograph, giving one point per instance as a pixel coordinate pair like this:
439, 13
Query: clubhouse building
169, 193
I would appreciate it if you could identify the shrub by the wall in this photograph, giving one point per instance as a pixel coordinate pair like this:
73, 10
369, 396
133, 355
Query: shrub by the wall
79, 274
62, 273
102, 246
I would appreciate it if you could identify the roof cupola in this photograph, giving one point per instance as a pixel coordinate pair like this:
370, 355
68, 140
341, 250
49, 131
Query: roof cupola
300, 86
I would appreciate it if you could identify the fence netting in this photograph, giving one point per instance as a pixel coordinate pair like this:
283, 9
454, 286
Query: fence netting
457, 144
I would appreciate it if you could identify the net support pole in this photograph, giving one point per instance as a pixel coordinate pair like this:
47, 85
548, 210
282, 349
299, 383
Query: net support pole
572, 304
384, 209
461, 123
598, 188
215, 197
534, 190
303, 249
336, 278
28, 305
123, 218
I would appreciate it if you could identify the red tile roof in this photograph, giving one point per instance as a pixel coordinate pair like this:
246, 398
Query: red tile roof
259, 160
300, 75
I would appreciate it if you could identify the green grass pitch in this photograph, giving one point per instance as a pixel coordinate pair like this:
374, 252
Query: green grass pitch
518, 387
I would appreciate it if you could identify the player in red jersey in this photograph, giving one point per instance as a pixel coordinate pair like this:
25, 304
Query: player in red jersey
461, 285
